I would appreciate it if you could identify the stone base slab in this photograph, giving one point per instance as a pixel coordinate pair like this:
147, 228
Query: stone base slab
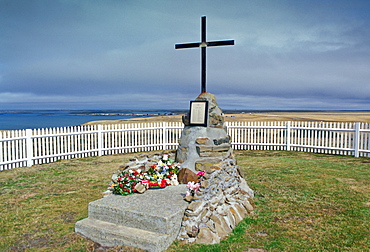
110, 235
150, 221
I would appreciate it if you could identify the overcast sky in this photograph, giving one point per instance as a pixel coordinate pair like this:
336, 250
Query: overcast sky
111, 54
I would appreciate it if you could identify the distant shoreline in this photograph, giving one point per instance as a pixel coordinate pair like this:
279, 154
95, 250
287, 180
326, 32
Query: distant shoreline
15, 120
324, 116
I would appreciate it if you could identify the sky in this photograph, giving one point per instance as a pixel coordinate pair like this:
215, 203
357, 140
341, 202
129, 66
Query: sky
111, 54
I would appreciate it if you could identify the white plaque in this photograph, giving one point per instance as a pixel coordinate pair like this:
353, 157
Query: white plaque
198, 113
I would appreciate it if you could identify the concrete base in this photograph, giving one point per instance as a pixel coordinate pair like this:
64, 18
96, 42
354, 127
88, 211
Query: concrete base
150, 221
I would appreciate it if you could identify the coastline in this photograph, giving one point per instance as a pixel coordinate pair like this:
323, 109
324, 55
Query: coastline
324, 116
38, 120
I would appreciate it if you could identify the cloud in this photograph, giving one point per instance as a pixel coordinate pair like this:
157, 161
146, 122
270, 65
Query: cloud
77, 51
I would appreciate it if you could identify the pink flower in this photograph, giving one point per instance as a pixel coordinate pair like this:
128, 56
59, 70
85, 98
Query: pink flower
196, 187
190, 185
193, 186
201, 173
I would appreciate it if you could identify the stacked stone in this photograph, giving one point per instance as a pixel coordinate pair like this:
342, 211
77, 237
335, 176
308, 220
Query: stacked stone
221, 202
224, 198
144, 161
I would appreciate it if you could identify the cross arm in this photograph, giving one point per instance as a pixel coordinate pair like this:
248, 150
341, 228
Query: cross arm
206, 44
220, 43
187, 45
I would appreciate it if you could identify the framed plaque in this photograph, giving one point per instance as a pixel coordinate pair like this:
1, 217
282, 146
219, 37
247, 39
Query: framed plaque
198, 113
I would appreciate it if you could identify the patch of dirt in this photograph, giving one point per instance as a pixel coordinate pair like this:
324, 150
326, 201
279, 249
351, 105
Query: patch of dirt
66, 218
96, 247
29, 241
255, 250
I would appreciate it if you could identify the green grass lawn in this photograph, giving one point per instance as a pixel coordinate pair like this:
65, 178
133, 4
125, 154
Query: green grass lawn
303, 202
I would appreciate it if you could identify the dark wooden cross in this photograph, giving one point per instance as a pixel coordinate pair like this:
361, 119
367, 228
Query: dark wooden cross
203, 45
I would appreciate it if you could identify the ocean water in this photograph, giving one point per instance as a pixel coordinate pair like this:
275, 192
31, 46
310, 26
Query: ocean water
32, 119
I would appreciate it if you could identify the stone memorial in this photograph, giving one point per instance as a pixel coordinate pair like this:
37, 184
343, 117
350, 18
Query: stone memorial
223, 198
211, 200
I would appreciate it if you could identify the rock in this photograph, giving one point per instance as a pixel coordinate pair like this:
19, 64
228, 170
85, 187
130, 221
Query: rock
186, 175
226, 225
140, 188
107, 193
219, 141
222, 233
203, 141
213, 151
114, 177
188, 198
215, 219
209, 165
193, 231
206, 236
248, 206
240, 171
236, 215
240, 210
195, 205
204, 183
182, 154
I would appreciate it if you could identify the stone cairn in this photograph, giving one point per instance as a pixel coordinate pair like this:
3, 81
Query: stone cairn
224, 198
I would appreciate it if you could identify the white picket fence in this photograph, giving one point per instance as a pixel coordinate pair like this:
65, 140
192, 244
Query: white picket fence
19, 148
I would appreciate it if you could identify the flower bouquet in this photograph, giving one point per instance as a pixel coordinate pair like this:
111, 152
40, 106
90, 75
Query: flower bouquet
194, 186
159, 175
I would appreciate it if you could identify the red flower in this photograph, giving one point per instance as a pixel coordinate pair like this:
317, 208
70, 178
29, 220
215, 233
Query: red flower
163, 183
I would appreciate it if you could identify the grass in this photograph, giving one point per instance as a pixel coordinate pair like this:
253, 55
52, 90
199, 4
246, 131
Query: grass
304, 202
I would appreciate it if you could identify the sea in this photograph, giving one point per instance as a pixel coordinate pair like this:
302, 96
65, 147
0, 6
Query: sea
34, 119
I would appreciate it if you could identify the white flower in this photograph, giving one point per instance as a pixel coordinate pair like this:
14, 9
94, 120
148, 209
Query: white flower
165, 157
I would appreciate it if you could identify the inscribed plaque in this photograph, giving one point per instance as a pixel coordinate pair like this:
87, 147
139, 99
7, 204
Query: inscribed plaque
198, 113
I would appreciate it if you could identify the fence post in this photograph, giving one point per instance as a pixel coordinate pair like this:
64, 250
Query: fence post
366, 126
29, 147
287, 138
100, 140
1, 151
357, 139
165, 135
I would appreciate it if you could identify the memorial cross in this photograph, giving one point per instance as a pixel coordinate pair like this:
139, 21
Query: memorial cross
203, 45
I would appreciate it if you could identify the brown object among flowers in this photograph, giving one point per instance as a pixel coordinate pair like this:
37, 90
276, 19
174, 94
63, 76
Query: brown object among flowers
186, 175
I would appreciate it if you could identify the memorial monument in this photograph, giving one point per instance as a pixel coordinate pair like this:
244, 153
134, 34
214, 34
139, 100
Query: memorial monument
207, 212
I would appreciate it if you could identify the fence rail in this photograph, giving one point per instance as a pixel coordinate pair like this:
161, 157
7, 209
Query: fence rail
28, 147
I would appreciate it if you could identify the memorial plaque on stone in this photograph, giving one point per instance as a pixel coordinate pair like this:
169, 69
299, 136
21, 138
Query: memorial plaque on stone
198, 113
